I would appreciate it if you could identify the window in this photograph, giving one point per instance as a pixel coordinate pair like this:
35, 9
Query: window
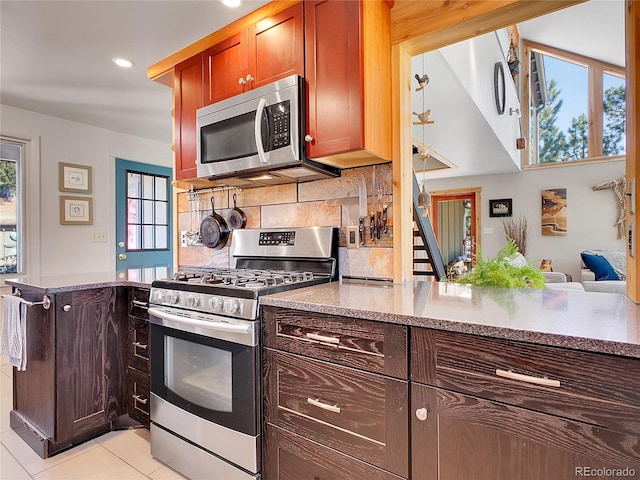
576, 107
147, 212
11, 166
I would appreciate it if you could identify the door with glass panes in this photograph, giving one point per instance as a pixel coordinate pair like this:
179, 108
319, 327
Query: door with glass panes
143, 215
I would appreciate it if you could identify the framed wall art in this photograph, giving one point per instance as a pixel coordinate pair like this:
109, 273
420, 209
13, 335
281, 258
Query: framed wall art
74, 178
500, 208
76, 210
554, 212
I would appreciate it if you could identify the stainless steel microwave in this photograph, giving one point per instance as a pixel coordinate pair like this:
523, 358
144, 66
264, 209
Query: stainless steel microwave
257, 137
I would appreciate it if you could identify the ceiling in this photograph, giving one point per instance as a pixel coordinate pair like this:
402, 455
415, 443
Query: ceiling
55, 56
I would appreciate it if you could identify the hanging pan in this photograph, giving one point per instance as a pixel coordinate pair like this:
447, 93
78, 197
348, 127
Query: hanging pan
237, 218
213, 230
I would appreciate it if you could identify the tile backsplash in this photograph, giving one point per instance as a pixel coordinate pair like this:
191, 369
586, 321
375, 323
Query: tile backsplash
332, 202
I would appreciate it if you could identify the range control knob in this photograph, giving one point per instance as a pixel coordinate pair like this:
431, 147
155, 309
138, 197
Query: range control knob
231, 305
193, 301
215, 304
173, 297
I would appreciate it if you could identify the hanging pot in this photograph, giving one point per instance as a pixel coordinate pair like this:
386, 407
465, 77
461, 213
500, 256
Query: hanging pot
237, 218
213, 230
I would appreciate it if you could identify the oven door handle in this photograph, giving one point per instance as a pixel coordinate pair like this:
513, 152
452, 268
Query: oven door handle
216, 326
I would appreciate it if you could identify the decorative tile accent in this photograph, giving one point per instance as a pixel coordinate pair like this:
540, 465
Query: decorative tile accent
306, 214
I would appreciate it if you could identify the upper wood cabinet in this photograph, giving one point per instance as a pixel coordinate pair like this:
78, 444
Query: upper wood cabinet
348, 73
265, 52
188, 97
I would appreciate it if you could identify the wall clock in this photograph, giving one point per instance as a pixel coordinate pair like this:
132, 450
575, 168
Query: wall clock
498, 86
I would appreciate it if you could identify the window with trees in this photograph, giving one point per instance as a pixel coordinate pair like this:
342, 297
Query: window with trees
576, 107
11, 163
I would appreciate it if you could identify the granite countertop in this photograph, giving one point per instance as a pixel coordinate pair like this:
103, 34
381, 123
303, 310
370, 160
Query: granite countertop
137, 277
596, 322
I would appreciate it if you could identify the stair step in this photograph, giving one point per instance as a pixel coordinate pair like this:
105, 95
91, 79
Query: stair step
424, 272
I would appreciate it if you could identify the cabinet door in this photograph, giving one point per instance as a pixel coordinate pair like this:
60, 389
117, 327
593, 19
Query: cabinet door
87, 334
187, 98
333, 69
277, 49
462, 437
226, 68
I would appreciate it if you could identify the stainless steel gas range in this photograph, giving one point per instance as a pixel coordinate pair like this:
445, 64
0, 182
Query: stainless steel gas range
206, 381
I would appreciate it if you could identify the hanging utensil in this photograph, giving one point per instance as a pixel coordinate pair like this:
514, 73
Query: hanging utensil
214, 230
379, 210
237, 218
372, 217
362, 206
385, 213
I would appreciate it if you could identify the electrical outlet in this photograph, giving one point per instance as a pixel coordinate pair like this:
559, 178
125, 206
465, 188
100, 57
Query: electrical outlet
183, 238
352, 237
487, 231
98, 236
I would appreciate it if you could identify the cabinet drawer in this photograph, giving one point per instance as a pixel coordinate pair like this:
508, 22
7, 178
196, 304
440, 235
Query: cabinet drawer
358, 413
138, 344
373, 346
139, 302
138, 392
593, 388
290, 456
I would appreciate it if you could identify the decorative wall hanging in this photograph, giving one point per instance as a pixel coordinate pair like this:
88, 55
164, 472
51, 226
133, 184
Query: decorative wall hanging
424, 118
423, 81
74, 178
499, 87
619, 188
76, 210
500, 208
554, 212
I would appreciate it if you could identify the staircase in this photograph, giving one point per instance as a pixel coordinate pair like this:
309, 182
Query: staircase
427, 243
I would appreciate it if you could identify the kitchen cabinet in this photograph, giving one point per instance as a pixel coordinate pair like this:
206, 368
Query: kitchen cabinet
137, 348
73, 385
263, 53
348, 73
498, 409
187, 98
335, 388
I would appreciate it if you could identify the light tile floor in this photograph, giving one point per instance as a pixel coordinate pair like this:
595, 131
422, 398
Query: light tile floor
121, 455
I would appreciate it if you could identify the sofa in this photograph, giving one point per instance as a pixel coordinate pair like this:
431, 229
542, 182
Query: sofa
604, 271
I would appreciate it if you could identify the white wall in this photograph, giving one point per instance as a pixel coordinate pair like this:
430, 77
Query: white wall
68, 248
590, 214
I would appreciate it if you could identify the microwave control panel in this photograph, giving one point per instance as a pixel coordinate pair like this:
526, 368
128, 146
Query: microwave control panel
280, 121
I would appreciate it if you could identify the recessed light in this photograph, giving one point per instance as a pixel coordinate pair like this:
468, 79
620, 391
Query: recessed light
122, 62
231, 3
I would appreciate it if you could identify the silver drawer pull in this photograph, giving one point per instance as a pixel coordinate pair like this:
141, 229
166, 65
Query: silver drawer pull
139, 345
140, 304
317, 403
322, 338
547, 382
138, 398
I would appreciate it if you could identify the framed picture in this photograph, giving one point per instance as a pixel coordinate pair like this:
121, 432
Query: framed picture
74, 178
76, 210
500, 208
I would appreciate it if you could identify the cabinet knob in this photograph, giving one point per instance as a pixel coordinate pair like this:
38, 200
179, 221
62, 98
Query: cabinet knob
421, 414
249, 78
242, 81
122, 256
66, 308
308, 138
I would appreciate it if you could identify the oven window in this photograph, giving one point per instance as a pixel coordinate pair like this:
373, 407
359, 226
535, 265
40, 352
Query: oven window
198, 373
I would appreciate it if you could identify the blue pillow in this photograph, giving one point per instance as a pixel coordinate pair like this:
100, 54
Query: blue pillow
600, 266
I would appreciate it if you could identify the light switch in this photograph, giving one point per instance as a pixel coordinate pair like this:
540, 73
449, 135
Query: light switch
352, 237
487, 231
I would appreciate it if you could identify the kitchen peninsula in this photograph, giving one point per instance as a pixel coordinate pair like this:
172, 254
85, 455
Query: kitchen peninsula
435, 369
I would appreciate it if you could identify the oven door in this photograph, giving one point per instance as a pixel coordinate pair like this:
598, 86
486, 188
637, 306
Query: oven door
212, 378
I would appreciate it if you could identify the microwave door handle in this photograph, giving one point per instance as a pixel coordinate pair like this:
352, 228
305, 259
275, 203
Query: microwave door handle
258, 130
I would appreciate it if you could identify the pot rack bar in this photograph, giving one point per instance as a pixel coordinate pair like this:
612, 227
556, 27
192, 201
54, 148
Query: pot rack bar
46, 301
216, 189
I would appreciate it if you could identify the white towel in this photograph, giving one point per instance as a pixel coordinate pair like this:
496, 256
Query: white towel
13, 338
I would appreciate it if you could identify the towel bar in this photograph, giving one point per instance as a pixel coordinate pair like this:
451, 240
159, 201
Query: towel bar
46, 301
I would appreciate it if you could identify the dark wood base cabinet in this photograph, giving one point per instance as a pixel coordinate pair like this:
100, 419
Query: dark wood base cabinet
137, 351
460, 437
